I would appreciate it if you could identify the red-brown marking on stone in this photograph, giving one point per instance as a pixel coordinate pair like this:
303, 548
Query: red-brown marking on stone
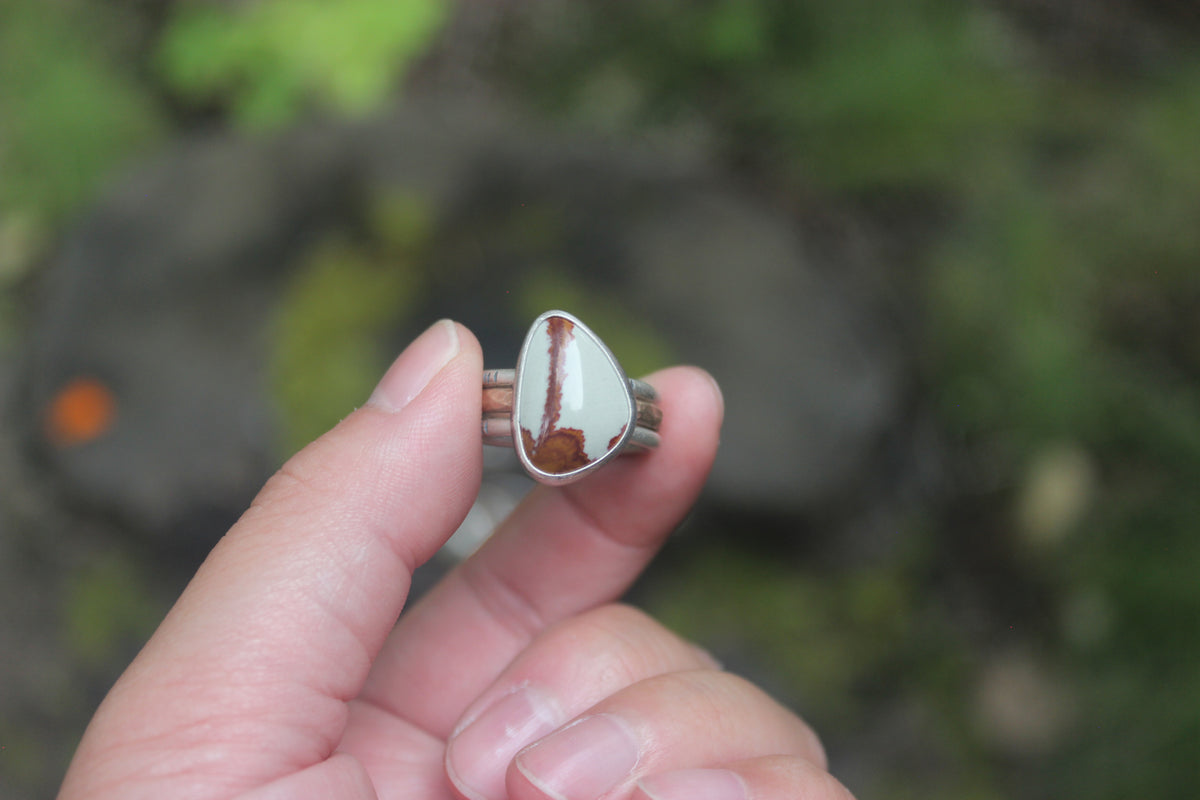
560, 331
558, 453
613, 442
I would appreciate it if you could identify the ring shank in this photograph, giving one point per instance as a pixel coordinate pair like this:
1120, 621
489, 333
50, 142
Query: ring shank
498, 396
505, 378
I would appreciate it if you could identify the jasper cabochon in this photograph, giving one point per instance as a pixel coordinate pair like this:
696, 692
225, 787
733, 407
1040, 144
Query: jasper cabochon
574, 404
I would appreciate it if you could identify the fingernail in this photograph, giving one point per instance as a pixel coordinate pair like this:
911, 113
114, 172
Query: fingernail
583, 760
416, 366
478, 756
694, 784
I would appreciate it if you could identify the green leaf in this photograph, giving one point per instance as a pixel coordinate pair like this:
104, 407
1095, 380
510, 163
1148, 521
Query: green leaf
272, 60
68, 113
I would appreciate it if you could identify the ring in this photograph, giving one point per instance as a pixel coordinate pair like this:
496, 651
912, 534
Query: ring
570, 401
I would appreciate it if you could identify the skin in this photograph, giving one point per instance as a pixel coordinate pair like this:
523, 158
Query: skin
282, 670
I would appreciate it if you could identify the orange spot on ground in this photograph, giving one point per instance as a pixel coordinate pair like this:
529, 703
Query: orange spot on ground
82, 410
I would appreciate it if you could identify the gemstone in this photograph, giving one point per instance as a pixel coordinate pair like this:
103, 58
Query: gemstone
573, 403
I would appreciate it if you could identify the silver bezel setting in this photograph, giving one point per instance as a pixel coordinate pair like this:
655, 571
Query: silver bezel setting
560, 479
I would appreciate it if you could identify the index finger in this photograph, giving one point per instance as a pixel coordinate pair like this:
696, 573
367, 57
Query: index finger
562, 551
248, 674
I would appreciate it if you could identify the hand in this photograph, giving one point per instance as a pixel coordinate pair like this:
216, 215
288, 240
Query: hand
282, 672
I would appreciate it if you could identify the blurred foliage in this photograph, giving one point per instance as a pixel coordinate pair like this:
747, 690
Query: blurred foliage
840, 646
70, 109
272, 59
22, 761
110, 610
21, 243
333, 317
838, 630
856, 94
1060, 341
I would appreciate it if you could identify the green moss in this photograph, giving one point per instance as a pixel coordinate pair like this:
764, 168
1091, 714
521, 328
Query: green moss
273, 59
68, 111
24, 760
109, 607
328, 344
856, 95
400, 222
820, 636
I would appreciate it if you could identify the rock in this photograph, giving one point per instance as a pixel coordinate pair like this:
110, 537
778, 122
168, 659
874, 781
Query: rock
163, 293
811, 376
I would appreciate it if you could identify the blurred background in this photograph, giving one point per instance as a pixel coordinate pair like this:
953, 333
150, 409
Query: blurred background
943, 257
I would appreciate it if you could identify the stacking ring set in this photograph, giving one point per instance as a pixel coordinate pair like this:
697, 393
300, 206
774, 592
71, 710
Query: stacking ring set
568, 408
